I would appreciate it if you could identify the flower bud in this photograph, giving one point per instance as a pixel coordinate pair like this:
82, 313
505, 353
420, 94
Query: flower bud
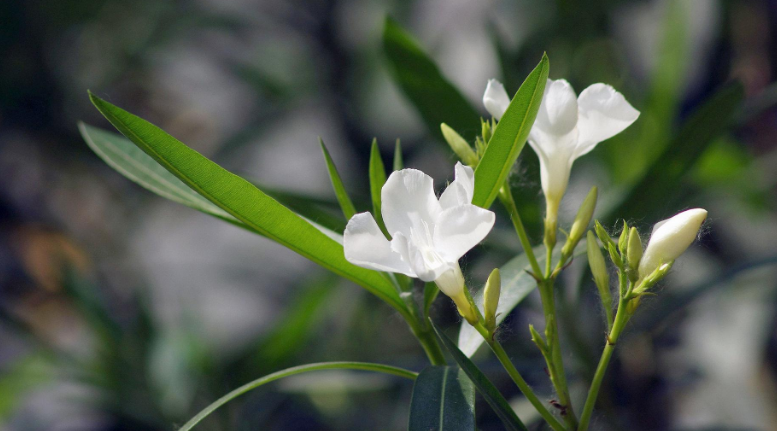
579, 226
599, 270
459, 145
614, 255
634, 253
623, 239
491, 298
485, 130
604, 237
670, 238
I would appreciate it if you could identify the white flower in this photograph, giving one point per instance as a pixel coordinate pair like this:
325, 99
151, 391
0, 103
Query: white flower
428, 235
670, 238
567, 127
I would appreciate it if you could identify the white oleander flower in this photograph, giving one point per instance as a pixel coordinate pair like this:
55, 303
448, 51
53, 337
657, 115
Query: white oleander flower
429, 235
670, 238
566, 128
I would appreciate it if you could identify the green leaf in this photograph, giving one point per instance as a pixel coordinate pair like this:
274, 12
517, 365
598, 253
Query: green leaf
510, 136
435, 98
671, 168
398, 164
443, 399
516, 285
487, 389
377, 179
430, 294
342, 196
366, 366
243, 201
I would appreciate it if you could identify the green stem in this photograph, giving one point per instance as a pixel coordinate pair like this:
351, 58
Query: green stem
621, 318
429, 343
518, 379
555, 362
506, 197
290, 372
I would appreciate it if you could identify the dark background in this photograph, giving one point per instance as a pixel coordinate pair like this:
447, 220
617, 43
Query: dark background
120, 310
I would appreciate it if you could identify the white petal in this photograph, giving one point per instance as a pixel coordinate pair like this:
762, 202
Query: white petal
425, 262
459, 229
407, 199
365, 246
603, 114
496, 99
558, 110
670, 238
461, 190
556, 154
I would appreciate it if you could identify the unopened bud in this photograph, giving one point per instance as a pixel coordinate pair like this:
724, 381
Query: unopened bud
614, 255
599, 270
485, 130
634, 254
579, 226
670, 238
604, 237
623, 239
459, 145
491, 298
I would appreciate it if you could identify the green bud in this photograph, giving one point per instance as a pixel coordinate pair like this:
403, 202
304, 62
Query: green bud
459, 145
491, 298
634, 254
537, 339
599, 270
579, 226
604, 237
485, 130
623, 239
614, 255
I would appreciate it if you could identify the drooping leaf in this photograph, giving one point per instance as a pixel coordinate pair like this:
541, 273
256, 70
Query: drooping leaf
670, 169
510, 136
443, 400
435, 98
487, 389
377, 179
516, 285
342, 196
243, 201
366, 366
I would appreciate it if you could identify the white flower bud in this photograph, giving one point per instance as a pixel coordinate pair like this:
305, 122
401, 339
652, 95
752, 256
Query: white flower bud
670, 238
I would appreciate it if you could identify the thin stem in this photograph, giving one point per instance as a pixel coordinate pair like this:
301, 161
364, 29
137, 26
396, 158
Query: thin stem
621, 318
506, 197
429, 342
518, 379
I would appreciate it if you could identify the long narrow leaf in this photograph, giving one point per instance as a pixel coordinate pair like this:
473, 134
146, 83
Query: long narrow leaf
435, 98
342, 196
377, 179
244, 201
443, 399
487, 389
510, 136
366, 366
516, 285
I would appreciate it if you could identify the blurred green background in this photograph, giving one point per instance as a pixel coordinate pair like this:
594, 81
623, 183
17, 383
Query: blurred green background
120, 310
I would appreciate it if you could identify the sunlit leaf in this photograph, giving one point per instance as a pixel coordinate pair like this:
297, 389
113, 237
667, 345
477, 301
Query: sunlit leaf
243, 201
510, 136
443, 399
487, 389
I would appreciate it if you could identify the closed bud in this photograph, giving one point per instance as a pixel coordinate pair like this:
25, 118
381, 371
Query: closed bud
624, 238
491, 298
604, 237
485, 130
614, 255
459, 145
634, 253
579, 226
599, 270
670, 238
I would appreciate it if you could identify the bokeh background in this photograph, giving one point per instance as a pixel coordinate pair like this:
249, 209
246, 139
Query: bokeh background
120, 310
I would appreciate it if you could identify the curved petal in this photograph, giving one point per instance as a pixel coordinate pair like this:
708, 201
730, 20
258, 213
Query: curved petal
460, 229
407, 199
495, 99
365, 246
461, 190
425, 262
558, 111
556, 158
603, 114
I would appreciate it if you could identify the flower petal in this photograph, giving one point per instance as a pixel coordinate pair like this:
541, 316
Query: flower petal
495, 99
459, 229
365, 246
461, 190
603, 113
407, 199
558, 110
425, 262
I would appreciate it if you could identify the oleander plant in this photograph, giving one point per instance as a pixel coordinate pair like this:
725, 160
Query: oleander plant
414, 239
